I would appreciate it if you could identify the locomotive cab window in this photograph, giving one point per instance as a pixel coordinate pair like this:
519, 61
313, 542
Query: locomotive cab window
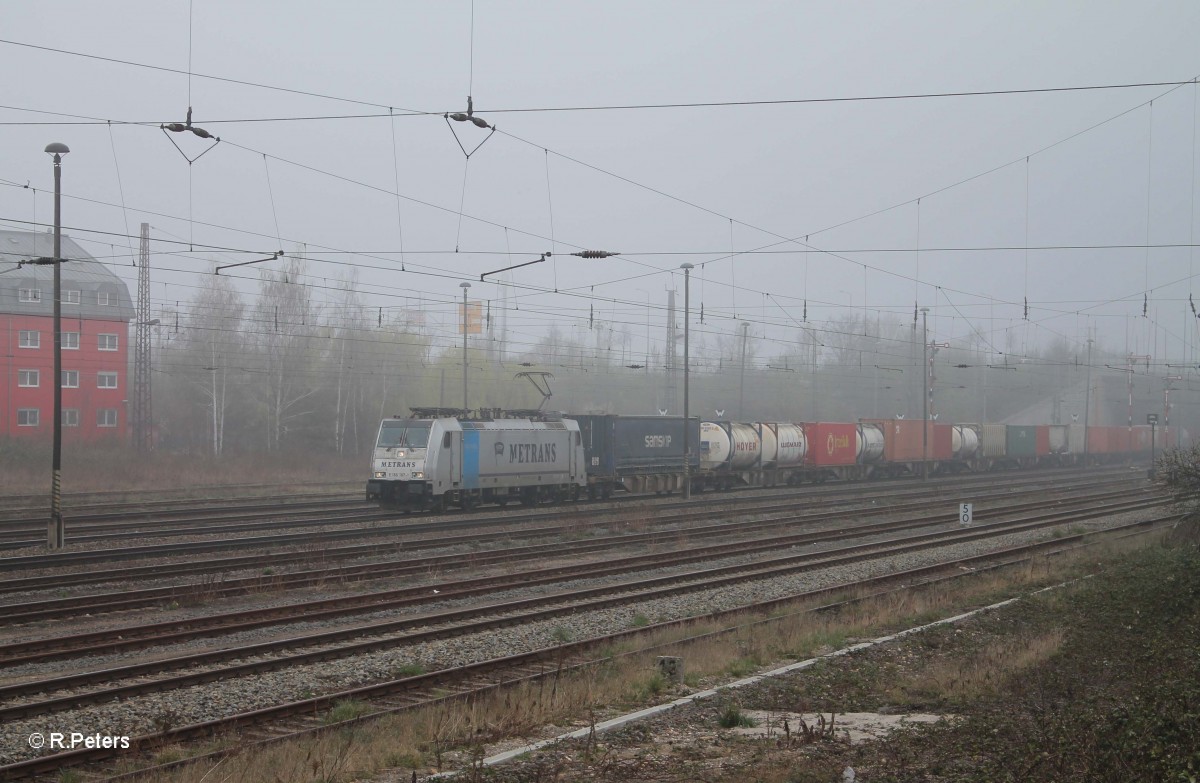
446, 441
407, 434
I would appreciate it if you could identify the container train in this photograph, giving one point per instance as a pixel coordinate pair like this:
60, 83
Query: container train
439, 458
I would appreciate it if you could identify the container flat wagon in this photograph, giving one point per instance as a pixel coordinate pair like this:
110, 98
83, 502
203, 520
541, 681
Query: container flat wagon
637, 453
752, 454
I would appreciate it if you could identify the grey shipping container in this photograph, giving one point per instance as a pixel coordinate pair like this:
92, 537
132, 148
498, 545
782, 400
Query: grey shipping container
1076, 438
616, 445
1021, 440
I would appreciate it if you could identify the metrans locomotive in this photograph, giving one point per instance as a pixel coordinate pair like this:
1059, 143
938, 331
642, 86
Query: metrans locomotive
433, 460
439, 458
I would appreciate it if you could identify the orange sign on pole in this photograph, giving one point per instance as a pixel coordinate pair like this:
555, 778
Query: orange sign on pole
473, 320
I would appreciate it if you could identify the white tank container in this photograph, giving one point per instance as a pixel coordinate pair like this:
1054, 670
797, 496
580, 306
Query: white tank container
1059, 443
792, 446
747, 447
770, 443
869, 443
716, 439
964, 442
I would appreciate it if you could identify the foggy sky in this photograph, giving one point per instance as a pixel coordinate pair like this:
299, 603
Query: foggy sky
749, 174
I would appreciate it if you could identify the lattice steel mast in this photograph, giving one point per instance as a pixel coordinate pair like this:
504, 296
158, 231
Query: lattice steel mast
143, 438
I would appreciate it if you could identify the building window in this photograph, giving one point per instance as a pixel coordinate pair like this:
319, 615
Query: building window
71, 297
70, 341
107, 342
30, 295
30, 339
70, 417
27, 417
70, 379
28, 378
103, 299
106, 417
106, 380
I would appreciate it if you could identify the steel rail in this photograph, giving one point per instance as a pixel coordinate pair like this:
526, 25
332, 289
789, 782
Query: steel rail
428, 689
417, 628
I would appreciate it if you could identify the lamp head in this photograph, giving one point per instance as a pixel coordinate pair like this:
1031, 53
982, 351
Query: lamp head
57, 148
687, 265
464, 285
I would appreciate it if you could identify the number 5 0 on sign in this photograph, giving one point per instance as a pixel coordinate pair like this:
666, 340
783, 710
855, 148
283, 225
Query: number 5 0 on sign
965, 511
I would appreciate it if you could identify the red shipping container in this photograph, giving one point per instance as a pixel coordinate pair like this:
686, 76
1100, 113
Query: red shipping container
831, 443
1097, 440
1041, 440
903, 440
1120, 440
943, 442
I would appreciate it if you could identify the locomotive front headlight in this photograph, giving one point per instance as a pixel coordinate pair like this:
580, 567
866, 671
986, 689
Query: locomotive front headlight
380, 474
418, 474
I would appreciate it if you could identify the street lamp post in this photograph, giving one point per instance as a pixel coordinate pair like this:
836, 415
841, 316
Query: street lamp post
56, 530
925, 407
687, 446
464, 286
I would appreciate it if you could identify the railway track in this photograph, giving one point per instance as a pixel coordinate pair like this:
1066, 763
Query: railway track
301, 718
198, 668
16, 518
407, 567
420, 525
216, 494
149, 523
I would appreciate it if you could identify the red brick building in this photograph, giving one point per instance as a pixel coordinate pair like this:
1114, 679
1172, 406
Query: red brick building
96, 311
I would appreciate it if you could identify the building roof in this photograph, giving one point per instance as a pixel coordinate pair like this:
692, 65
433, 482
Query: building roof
80, 272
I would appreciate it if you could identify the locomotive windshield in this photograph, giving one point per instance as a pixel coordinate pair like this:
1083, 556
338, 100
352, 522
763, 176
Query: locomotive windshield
410, 434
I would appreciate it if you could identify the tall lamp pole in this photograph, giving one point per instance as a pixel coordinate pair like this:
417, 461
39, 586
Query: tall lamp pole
925, 407
56, 530
687, 446
464, 286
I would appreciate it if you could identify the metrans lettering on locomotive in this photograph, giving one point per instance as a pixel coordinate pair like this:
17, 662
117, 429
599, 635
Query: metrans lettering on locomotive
532, 452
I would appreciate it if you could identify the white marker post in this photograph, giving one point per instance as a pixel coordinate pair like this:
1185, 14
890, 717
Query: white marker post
965, 511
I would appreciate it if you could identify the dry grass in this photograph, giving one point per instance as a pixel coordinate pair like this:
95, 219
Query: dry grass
957, 680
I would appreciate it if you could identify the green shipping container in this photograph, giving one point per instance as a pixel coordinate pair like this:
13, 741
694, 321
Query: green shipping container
1021, 440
